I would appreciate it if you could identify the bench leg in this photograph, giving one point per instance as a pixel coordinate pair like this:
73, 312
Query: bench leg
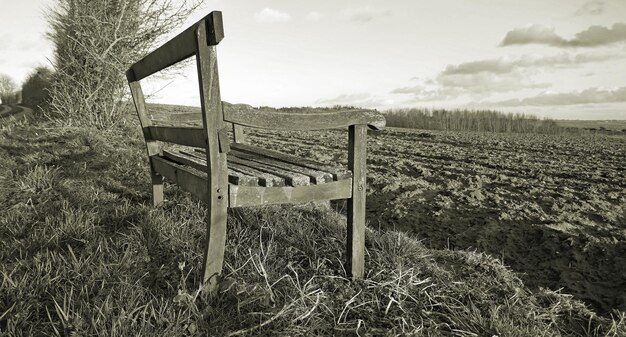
157, 189
356, 205
216, 242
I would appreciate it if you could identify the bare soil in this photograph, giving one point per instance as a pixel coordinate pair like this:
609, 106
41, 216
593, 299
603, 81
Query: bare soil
553, 208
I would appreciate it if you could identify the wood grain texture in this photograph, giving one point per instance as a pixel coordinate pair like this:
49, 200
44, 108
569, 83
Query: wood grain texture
238, 134
241, 196
152, 145
179, 48
291, 178
338, 173
190, 180
315, 177
181, 135
217, 184
265, 179
355, 242
265, 119
187, 158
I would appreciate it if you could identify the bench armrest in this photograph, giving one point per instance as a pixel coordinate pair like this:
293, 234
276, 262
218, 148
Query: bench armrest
246, 115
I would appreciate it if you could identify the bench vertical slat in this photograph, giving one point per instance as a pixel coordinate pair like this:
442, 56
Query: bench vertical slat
217, 185
238, 135
356, 205
152, 146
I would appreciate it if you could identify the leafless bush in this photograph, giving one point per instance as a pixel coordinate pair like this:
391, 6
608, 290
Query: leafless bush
96, 41
7, 90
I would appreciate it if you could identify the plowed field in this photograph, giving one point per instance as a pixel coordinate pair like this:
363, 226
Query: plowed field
552, 207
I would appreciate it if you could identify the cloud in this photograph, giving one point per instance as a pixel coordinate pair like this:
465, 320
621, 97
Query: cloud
356, 99
591, 37
533, 34
587, 96
506, 65
600, 35
364, 14
268, 15
593, 7
314, 16
482, 77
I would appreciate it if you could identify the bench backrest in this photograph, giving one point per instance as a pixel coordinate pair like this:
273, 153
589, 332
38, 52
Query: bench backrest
199, 40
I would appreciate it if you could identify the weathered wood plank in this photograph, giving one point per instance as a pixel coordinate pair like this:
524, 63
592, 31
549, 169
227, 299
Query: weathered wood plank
316, 177
234, 177
264, 119
291, 178
212, 121
241, 196
338, 173
238, 135
181, 135
355, 242
265, 179
189, 180
152, 146
179, 48
185, 117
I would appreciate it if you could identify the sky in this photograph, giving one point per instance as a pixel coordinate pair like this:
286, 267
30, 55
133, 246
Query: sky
562, 59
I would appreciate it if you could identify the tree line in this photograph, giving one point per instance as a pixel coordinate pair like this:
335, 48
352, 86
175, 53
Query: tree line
472, 120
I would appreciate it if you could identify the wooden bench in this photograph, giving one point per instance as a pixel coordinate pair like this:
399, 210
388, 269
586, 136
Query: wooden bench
235, 174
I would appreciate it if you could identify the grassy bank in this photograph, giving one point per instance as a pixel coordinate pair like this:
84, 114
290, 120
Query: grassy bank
83, 253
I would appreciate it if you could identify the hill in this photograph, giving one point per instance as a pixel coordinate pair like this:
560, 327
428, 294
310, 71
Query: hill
83, 253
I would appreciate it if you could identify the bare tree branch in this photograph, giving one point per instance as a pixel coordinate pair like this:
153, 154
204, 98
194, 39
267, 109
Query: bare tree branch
96, 41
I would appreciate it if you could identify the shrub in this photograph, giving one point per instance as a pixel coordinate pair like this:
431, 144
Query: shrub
95, 42
35, 90
7, 90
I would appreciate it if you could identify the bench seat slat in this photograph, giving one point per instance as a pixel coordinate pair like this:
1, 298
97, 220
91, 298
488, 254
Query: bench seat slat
262, 178
291, 178
338, 173
317, 177
234, 177
191, 180
195, 182
265, 179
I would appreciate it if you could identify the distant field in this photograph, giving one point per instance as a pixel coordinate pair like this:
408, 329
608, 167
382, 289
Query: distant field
83, 252
553, 207
615, 125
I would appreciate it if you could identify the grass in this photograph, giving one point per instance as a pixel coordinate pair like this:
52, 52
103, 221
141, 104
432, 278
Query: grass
82, 252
